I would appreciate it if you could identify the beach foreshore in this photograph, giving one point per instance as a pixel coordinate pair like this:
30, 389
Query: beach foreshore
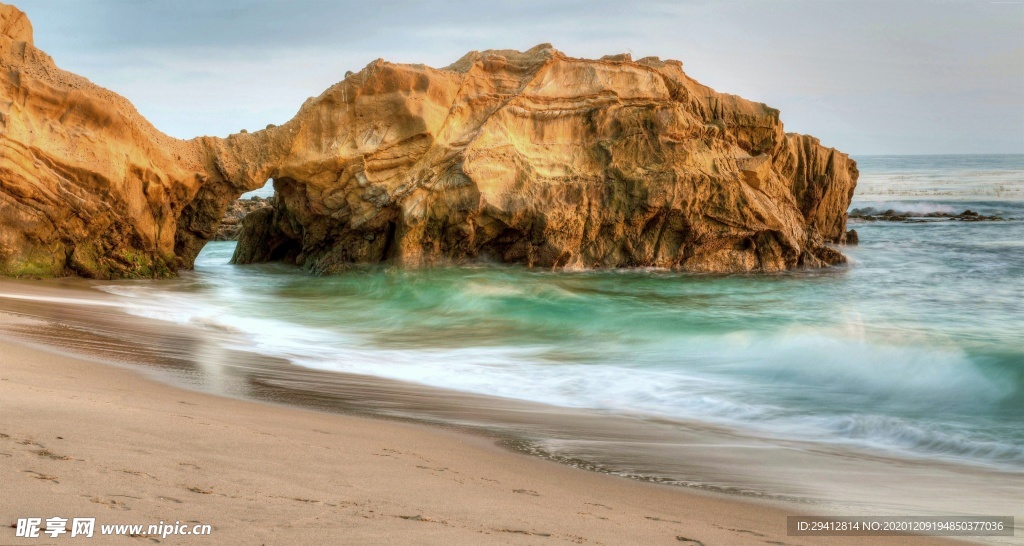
80, 438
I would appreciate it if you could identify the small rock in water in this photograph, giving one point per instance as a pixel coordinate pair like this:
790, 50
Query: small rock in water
852, 238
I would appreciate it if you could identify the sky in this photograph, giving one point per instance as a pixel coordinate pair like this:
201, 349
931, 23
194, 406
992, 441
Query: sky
867, 77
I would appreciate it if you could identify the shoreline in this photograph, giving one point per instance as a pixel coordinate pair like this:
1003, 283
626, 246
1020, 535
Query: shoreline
70, 319
701, 456
311, 475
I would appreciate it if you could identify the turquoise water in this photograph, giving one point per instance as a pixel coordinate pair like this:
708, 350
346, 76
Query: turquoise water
915, 349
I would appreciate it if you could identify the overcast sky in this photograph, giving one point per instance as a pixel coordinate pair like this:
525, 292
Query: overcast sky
868, 77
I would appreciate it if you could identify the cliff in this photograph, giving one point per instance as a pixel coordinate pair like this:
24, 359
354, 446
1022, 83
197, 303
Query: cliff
527, 157
89, 187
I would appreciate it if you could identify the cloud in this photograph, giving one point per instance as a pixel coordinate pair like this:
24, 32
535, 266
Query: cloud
867, 77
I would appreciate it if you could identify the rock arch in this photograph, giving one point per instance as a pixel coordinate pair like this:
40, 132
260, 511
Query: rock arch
531, 157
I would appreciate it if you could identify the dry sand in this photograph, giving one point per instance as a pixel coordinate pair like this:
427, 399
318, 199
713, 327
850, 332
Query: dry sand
83, 439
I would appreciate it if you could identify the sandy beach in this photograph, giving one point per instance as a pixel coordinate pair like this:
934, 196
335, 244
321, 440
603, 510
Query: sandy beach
698, 273
84, 439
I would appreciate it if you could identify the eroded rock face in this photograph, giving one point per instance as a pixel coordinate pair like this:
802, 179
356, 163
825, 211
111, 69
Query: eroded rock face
537, 158
87, 186
528, 157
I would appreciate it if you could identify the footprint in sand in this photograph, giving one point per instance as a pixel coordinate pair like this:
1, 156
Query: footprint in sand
110, 503
591, 514
41, 476
424, 519
140, 474
652, 518
46, 453
747, 532
521, 532
297, 499
439, 469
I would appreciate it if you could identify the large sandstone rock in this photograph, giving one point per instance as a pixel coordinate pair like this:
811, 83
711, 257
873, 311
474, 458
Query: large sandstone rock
543, 159
87, 185
529, 157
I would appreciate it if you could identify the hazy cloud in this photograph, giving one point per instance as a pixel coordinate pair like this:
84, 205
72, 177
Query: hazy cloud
867, 77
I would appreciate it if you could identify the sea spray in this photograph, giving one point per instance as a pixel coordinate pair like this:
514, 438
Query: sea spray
913, 350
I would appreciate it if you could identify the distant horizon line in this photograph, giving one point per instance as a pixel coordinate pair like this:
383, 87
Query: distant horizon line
934, 155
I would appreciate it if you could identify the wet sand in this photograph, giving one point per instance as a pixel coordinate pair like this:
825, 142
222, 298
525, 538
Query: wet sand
83, 439
136, 450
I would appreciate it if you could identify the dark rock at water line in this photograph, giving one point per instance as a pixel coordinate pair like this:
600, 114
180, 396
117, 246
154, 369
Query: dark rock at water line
852, 238
231, 223
871, 214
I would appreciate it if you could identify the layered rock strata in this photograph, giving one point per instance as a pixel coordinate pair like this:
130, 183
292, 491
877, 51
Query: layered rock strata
88, 187
519, 157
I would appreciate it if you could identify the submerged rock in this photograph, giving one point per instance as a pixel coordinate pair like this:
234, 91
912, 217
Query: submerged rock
525, 157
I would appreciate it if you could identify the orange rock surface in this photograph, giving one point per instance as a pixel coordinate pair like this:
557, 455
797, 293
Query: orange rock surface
87, 185
527, 157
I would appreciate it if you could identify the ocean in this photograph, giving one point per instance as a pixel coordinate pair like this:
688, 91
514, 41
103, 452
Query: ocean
914, 351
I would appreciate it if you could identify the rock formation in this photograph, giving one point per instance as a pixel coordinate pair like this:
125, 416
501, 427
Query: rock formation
872, 214
231, 223
87, 186
526, 157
